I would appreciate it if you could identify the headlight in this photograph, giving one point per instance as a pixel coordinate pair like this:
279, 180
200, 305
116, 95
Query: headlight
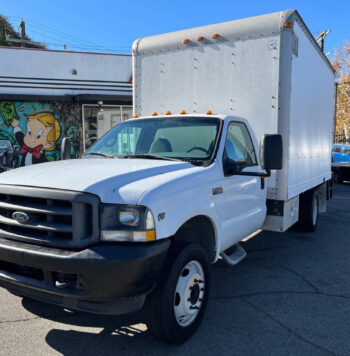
127, 223
129, 216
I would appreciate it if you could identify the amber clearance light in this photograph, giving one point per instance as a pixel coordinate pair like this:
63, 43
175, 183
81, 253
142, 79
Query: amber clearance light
182, 112
154, 113
136, 115
288, 25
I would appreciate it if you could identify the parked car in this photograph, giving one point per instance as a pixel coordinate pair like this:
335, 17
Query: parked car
340, 152
9, 157
341, 171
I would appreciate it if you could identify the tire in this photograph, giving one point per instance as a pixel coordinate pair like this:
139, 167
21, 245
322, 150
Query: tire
176, 307
338, 178
308, 211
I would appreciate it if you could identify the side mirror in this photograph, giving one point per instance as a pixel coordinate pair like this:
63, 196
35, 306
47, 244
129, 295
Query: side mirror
66, 148
271, 152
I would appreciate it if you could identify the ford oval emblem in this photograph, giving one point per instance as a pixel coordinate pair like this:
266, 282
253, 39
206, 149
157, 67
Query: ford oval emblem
20, 217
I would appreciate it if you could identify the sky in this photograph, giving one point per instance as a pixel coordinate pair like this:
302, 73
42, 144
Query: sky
113, 25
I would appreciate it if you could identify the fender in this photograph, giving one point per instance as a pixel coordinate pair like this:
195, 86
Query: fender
179, 200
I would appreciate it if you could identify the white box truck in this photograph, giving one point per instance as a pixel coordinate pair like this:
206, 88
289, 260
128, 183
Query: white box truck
233, 134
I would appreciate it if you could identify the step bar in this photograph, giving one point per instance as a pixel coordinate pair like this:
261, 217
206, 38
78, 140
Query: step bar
234, 254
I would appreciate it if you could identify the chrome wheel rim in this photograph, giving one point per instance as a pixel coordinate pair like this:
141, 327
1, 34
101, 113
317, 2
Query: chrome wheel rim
314, 210
189, 293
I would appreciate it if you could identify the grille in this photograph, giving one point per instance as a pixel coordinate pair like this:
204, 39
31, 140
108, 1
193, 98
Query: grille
57, 218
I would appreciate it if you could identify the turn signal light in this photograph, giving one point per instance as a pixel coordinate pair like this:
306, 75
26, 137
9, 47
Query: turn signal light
186, 40
288, 25
215, 35
136, 115
183, 112
209, 112
200, 38
168, 112
150, 235
154, 113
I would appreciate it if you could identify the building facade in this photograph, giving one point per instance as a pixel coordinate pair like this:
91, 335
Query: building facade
47, 95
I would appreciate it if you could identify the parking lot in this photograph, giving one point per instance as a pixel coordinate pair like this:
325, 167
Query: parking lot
290, 296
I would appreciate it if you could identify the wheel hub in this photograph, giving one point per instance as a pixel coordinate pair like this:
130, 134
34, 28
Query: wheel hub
189, 293
194, 295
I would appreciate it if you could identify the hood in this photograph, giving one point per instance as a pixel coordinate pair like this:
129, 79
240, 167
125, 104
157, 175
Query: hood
110, 179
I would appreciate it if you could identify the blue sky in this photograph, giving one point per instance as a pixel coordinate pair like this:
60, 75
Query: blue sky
107, 25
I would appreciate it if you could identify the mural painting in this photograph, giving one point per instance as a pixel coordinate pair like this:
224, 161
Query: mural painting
32, 132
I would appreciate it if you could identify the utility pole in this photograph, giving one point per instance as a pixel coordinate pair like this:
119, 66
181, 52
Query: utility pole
22, 25
320, 38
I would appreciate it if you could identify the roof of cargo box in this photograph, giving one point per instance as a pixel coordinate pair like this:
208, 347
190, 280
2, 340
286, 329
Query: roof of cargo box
237, 30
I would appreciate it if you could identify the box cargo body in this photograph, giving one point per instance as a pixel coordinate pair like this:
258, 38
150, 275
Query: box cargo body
275, 77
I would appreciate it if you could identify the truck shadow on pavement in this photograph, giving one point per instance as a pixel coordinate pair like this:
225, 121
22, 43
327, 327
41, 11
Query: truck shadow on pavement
277, 299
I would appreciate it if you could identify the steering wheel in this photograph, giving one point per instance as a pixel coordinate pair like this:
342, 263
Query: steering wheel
197, 148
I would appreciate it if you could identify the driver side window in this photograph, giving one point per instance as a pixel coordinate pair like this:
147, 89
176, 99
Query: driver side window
239, 146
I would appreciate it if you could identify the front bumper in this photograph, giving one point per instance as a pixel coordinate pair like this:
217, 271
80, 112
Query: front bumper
108, 278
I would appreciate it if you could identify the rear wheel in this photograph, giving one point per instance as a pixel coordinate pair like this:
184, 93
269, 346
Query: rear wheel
175, 308
308, 211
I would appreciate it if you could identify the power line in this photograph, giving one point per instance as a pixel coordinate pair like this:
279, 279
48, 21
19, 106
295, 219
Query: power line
62, 39
56, 42
57, 32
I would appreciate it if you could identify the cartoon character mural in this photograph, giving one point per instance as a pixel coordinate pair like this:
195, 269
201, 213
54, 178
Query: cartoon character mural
42, 133
32, 132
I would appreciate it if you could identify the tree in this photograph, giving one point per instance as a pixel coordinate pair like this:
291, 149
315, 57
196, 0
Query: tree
6, 29
341, 65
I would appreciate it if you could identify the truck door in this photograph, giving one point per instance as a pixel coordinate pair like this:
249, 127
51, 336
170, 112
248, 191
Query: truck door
244, 209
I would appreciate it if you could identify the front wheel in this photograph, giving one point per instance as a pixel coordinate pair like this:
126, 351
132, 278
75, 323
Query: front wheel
175, 308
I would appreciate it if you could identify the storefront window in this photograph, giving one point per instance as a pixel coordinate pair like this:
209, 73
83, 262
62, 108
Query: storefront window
100, 119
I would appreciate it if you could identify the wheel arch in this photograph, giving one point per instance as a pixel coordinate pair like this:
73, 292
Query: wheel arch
199, 229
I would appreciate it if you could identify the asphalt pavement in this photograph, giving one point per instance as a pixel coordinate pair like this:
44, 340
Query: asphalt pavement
290, 296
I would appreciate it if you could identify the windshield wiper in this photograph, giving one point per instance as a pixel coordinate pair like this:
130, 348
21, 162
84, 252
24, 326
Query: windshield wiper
100, 154
149, 156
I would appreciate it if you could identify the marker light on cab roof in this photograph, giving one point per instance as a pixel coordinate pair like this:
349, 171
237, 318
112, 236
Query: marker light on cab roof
154, 113
182, 112
209, 112
168, 112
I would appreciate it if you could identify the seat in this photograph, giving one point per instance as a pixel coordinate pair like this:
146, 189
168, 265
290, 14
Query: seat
232, 151
161, 145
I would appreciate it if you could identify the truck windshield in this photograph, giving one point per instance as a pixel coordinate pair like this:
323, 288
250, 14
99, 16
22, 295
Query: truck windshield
187, 139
